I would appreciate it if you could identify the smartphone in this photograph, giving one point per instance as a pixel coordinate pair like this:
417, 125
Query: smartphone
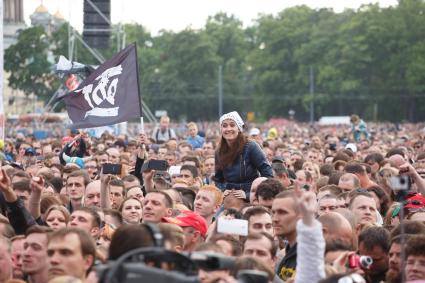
232, 226
114, 169
153, 164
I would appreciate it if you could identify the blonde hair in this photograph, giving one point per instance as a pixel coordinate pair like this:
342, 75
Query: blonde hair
216, 191
192, 124
315, 167
165, 118
60, 208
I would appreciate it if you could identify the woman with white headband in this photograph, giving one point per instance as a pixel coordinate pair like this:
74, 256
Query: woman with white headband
239, 161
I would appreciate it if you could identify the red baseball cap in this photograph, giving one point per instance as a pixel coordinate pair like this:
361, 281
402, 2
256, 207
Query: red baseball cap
189, 219
416, 201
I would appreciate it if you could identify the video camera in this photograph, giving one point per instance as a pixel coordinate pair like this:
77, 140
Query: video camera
156, 264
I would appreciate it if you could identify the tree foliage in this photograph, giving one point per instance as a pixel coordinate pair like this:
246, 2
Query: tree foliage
363, 60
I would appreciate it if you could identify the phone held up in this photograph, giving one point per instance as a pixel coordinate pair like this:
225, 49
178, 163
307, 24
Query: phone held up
113, 169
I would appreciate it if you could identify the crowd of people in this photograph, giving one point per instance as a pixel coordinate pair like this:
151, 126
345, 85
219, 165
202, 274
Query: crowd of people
296, 202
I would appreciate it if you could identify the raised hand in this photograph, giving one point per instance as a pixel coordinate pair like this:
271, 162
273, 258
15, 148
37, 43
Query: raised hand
143, 139
37, 184
5, 183
306, 204
239, 194
6, 187
105, 178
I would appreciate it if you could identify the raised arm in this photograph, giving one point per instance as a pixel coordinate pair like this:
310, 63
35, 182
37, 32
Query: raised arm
310, 241
409, 170
18, 215
105, 201
37, 186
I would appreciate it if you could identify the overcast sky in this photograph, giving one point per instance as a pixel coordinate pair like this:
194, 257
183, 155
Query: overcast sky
176, 15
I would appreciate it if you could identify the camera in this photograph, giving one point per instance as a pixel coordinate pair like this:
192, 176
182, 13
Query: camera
332, 146
156, 264
400, 183
355, 261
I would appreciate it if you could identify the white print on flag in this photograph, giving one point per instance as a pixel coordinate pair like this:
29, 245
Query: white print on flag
101, 92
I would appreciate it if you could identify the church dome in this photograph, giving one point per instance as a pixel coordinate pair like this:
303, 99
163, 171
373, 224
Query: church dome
41, 9
41, 17
58, 16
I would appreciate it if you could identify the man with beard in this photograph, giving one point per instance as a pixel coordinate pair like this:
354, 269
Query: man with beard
394, 273
375, 242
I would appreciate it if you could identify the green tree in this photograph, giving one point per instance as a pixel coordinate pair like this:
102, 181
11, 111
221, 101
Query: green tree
28, 64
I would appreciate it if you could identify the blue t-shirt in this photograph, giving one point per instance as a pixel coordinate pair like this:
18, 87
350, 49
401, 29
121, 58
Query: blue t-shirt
196, 142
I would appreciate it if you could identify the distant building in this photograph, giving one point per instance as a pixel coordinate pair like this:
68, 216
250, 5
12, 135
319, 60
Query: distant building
13, 15
15, 101
42, 17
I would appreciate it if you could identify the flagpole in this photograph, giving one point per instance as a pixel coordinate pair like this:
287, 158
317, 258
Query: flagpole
142, 125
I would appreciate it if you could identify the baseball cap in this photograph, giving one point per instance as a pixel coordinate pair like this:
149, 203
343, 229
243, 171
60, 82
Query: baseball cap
272, 134
30, 151
352, 147
120, 143
189, 219
415, 202
254, 132
278, 159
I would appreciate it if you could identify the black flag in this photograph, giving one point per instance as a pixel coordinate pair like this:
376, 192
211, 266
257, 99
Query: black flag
109, 95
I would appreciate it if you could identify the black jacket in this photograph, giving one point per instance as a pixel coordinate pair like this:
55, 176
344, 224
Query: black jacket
19, 217
287, 266
250, 165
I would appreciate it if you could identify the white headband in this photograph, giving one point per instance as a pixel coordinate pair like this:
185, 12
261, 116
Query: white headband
234, 116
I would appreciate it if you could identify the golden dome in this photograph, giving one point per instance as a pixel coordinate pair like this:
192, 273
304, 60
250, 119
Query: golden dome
58, 15
41, 9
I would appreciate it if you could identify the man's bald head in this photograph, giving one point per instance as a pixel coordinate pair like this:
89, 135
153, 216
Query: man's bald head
349, 182
396, 160
254, 187
92, 194
336, 227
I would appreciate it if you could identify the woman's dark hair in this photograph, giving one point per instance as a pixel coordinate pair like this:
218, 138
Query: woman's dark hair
252, 263
127, 238
231, 211
384, 199
228, 154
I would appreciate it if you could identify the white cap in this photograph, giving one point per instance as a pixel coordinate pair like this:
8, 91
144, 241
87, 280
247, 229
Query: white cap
352, 147
235, 117
254, 132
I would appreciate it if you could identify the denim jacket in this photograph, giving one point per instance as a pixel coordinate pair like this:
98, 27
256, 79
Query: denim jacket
252, 163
